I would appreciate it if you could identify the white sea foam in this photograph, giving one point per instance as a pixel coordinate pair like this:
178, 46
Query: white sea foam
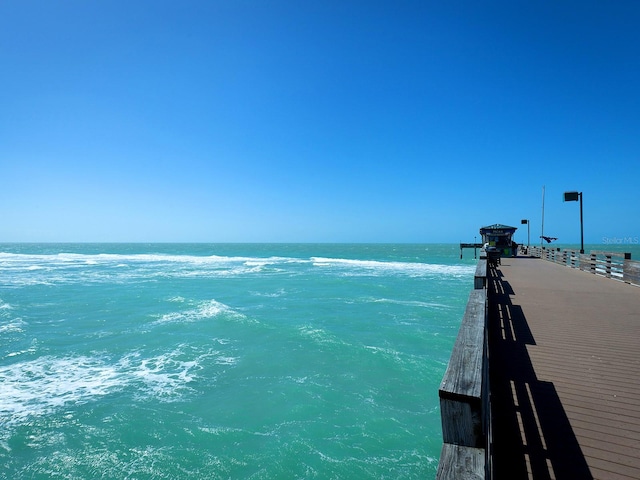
41, 269
219, 430
411, 303
319, 335
226, 360
373, 267
35, 261
21, 352
165, 376
387, 351
279, 293
38, 387
104, 462
309, 331
14, 326
8, 324
204, 310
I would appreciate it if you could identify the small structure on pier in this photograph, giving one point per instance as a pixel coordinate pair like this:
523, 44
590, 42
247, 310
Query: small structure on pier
497, 239
499, 236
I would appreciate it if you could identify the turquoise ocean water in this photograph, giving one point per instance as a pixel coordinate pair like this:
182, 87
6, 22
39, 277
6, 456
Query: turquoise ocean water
172, 361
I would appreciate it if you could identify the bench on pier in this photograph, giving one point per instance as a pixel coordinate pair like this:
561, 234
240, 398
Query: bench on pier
493, 257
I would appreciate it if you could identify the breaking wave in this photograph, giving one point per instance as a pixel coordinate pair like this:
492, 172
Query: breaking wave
385, 268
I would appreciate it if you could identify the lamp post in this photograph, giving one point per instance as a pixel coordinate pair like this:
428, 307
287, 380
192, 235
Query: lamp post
574, 197
526, 222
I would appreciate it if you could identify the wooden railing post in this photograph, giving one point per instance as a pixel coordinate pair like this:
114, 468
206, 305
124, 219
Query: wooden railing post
480, 277
461, 388
630, 270
464, 394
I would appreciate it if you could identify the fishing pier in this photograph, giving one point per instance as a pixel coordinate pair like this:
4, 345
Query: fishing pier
475, 246
544, 377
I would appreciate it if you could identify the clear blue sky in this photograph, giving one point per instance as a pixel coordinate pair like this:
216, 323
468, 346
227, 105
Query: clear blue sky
328, 121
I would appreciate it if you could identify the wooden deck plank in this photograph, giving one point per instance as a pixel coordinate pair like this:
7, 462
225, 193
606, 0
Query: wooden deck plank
565, 372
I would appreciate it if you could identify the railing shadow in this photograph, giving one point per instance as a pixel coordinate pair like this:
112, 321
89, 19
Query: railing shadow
531, 434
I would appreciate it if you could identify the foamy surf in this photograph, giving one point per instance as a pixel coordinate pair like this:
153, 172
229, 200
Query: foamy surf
41, 386
375, 267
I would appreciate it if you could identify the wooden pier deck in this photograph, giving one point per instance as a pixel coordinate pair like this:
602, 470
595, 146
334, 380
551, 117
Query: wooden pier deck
564, 371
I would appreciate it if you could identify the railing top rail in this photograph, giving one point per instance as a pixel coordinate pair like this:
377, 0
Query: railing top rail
463, 375
624, 255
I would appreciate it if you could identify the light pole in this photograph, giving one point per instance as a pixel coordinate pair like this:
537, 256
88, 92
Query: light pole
574, 197
526, 222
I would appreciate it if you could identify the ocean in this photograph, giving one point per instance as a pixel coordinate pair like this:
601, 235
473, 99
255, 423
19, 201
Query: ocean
226, 361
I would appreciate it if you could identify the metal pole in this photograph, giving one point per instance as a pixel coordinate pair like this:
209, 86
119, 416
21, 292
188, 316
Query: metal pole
542, 233
581, 227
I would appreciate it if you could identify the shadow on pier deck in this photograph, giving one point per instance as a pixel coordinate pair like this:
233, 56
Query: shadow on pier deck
565, 373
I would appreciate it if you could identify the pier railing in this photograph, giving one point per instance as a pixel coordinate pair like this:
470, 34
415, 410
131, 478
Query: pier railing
615, 265
464, 393
465, 405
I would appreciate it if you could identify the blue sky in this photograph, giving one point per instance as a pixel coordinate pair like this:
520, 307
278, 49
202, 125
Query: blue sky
317, 121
